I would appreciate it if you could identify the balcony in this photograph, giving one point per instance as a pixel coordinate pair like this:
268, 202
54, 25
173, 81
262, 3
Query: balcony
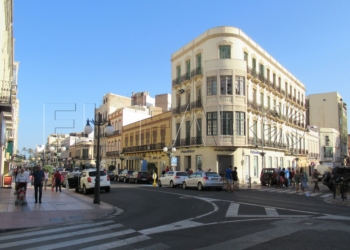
196, 104
176, 111
6, 96
252, 72
252, 104
112, 153
143, 148
117, 132
196, 72
196, 140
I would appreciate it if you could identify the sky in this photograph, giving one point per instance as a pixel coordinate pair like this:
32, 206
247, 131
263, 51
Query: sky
72, 52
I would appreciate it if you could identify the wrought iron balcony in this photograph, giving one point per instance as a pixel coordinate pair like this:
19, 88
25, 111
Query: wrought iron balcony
253, 72
196, 140
5, 96
196, 72
112, 153
176, 110
196, 104
117, 132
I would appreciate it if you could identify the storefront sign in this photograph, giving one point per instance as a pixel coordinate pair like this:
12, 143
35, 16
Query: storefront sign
187, 151
254, 152
224, 150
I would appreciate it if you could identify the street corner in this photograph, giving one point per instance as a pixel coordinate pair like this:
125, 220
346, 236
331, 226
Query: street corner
337, 201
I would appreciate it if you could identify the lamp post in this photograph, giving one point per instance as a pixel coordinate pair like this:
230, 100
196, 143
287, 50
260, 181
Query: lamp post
121, 157
108, 130
52, 149
169, 152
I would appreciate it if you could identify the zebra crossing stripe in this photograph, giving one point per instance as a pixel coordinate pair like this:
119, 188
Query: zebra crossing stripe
56, 230
57, 236
82, 240
119, 243
314, 194
271, 211
326, 195
232, 210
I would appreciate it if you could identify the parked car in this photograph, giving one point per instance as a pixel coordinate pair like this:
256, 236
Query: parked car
202, 180
172, 179
71, 180
125, 175
268, 176
322, 169
333, 174
116, 173
86, 181
141, 177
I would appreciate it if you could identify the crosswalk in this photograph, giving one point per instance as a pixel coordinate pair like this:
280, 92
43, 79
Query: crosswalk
292, 191
237, 210
87, 236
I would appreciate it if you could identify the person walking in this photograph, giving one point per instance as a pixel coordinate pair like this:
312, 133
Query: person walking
287, 174
315, 175
38, 176
46, 173
282, 178
278, 177
297, 180
303, 179
234, 176
228, 177
52, 182
292, 174
57, 176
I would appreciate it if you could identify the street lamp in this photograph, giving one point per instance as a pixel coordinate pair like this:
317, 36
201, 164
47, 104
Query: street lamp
121, 157
41, 149
88, 130
169, 152
52, 149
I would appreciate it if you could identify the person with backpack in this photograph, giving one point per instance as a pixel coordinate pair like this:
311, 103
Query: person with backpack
228, 179
234, 177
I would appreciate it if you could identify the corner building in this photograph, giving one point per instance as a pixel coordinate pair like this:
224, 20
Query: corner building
234, 104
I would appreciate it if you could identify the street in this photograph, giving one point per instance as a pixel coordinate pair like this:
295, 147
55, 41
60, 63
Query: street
173, 218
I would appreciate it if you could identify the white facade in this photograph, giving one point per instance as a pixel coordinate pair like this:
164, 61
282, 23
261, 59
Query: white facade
232, 103
330, 151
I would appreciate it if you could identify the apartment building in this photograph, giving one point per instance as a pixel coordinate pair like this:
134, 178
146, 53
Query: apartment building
234, 104
330, 150
9, 104
328, 110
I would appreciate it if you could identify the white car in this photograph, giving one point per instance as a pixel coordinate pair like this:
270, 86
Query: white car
86, 181
202, 180
173, 178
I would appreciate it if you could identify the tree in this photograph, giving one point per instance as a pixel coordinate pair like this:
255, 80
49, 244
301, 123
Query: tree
30, 151
24, 150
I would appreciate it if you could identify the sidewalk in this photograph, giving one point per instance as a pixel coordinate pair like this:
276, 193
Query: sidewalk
63, 207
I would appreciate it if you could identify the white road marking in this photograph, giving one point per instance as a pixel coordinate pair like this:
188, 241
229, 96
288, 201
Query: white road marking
118, 243
271, 211
171, 227
232, 210
58, 236
81, 240
326, 195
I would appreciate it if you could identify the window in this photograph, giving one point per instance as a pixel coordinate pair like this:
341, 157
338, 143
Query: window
245, 56
279, 82
155, 136
147, 138
199, 94
276, 162
199, 61
188, 132
281, 162
262, 99
274, 79
162, 136
188, 97
240, 86
286, 87
226, 123
328, 152
254, 64
240, 123
270, 162
327, 140
178, 72
225, 51
211, 85
199, 129
212, 123
262, 70
268, 74
178, 100
254, 96
178, 134
268, 102
256, 166
226, 85
188, 67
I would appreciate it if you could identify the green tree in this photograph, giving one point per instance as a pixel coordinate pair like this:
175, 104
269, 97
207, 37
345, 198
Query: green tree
24, 150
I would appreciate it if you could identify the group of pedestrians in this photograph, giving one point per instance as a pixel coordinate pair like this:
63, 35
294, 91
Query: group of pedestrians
232, 179
296, 179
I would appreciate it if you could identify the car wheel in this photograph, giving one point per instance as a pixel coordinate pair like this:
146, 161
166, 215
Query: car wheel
84, 190
108, 189
172, 184
159, 184
184, 185
200, 186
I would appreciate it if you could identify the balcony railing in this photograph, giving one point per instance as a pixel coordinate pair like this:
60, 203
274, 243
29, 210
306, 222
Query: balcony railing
187, 76
196, 72
116, 132
5, 96
253, 72
196, 104
112, 153
157, 146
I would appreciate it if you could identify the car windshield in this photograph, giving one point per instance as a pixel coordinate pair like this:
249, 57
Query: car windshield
181, 174
212, 174
93, 173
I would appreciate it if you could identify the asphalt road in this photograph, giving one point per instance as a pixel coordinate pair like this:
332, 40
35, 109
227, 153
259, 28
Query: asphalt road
173, 218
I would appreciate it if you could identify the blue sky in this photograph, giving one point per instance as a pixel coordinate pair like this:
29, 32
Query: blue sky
72, 52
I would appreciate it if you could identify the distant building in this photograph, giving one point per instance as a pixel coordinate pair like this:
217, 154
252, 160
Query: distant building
327, 110
330, 151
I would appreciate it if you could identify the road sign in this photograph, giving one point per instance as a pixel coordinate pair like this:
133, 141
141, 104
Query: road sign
173, 161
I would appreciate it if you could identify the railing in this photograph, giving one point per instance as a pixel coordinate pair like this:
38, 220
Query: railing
196, 104
196, 72
196, 140
5, 92
187, 107
176, 110
252, 72
157, 146
112, 153
187, 76
116, 132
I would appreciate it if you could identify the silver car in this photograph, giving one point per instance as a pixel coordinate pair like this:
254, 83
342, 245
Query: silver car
202, 180
172, 179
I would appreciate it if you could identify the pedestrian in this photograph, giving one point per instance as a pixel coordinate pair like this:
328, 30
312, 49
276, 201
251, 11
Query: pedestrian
303, 179
292, 176
282, 177
38, 176
21, 177
297, 180
190, 171
234, 176
228, 179
287, 177
167, 169
52, 183
315, 175
46, 177
57, 176
278, 177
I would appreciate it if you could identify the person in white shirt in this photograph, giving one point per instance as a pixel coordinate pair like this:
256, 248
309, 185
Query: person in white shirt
22, 177
46, 173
